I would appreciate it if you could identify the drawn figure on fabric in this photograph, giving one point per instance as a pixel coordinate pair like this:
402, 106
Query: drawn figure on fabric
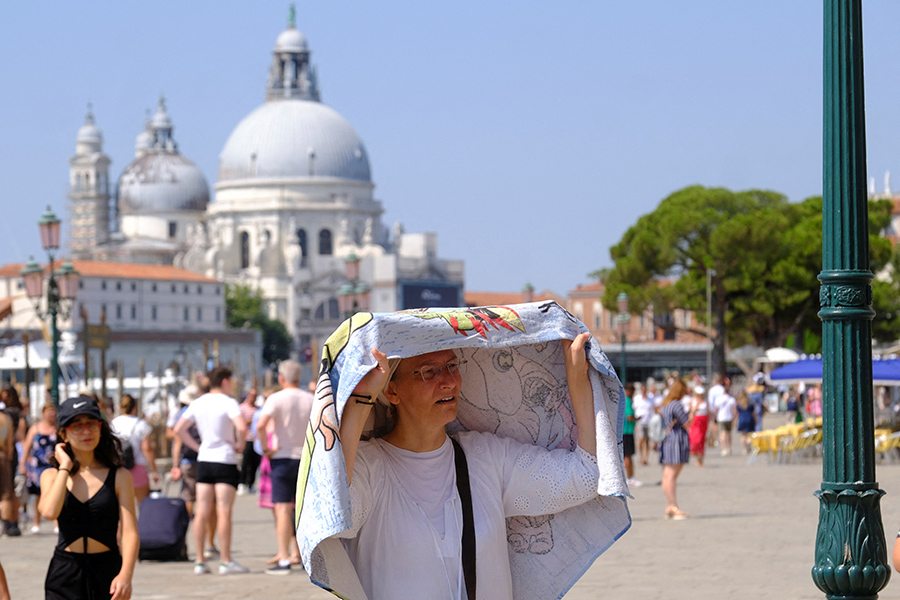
475, 319
525, 389
532, 535
323, 421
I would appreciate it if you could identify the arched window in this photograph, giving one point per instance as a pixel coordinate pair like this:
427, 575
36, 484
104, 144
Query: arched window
325, 242
301, 241
328, 310
334, 311
245, 249
78, 182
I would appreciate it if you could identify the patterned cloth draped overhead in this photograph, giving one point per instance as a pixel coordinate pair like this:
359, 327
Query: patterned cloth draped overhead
515, 386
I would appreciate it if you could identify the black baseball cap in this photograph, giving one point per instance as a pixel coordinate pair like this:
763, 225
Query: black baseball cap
82, 405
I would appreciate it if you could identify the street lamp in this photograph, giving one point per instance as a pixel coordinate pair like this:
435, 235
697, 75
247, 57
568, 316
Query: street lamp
353, 296
623, 320
851, 556
62, 287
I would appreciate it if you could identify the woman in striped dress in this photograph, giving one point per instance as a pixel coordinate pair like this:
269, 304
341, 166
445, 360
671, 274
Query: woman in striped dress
674, 450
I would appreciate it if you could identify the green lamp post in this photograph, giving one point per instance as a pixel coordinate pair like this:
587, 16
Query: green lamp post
623, 319
62, 287
850, 551
353, 296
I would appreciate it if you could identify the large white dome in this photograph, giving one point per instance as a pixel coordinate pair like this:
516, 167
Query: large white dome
162, 182
294, 138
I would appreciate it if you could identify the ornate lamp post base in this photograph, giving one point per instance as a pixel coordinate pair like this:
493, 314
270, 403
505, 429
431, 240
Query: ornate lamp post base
850, 544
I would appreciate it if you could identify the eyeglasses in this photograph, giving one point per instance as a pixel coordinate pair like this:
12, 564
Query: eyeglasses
83, 426
429, 372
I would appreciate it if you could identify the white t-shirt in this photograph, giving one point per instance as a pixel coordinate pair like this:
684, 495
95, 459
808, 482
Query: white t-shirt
643, 407
725, 404
713, 394
133, 430
289, 413
411, 548
213, 414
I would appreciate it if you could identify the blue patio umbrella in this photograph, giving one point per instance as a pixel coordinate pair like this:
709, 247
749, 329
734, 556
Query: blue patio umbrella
809, 370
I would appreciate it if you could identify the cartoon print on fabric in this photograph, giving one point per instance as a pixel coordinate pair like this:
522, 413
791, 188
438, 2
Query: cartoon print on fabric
524, 389
338, 340
530, 534
475, 319
520, 392
323, 419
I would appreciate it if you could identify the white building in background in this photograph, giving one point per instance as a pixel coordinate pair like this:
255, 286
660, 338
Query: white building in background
293, 200
156, 313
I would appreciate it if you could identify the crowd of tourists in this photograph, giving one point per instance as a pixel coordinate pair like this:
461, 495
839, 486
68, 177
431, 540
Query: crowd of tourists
680, 417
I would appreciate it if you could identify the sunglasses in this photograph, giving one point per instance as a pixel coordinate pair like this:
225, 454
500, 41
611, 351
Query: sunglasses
83, 426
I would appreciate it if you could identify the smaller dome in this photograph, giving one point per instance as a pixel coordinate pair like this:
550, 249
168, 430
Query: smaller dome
291, 40
162, 182
89, 134
161, 119
143, 142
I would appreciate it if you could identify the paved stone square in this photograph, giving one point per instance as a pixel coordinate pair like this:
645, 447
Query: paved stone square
751, 534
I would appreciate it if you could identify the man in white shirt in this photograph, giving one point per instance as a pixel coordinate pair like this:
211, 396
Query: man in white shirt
222, 434
712, 396
288, 412
725, 413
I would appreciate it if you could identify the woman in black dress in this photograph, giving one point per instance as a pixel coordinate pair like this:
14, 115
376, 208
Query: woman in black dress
89, 494
675, 449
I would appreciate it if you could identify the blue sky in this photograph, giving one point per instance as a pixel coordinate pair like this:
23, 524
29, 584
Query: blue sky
529, 135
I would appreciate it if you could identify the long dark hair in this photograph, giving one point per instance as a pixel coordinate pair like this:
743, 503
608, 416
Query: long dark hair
108, 451
12, 396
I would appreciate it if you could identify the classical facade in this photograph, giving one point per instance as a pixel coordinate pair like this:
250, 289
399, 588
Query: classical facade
156, 314
293, 204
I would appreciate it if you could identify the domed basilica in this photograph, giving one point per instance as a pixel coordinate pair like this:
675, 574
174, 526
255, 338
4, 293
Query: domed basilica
293, 214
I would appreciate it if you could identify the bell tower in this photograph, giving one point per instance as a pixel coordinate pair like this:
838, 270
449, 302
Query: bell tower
89, 190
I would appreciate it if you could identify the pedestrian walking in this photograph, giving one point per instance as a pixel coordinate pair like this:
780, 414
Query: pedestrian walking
92, 497
288, 412
726, 410
699, 417
249, 459
746, 420
674, 450
715, 390
643, 410
9, 505
222, 432
37, 450
628, 437
135, 435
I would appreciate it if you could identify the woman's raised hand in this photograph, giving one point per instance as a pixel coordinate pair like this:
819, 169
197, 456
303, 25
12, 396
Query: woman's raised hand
374, 382
62, 457
576, 357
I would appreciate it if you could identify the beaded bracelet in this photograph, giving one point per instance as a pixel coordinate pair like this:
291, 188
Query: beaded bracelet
370, 399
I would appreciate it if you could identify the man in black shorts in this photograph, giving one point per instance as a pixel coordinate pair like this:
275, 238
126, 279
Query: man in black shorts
222, 433
288, 413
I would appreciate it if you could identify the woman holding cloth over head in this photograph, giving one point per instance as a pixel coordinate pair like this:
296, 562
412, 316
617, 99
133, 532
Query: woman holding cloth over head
90, 494
412, 533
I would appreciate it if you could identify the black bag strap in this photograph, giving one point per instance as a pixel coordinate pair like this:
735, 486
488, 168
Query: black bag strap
468, 533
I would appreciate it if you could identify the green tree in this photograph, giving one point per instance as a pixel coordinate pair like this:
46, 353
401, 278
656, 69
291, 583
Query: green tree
244, 309
764, 255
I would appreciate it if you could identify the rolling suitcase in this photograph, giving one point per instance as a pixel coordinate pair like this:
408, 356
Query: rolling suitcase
162, 526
